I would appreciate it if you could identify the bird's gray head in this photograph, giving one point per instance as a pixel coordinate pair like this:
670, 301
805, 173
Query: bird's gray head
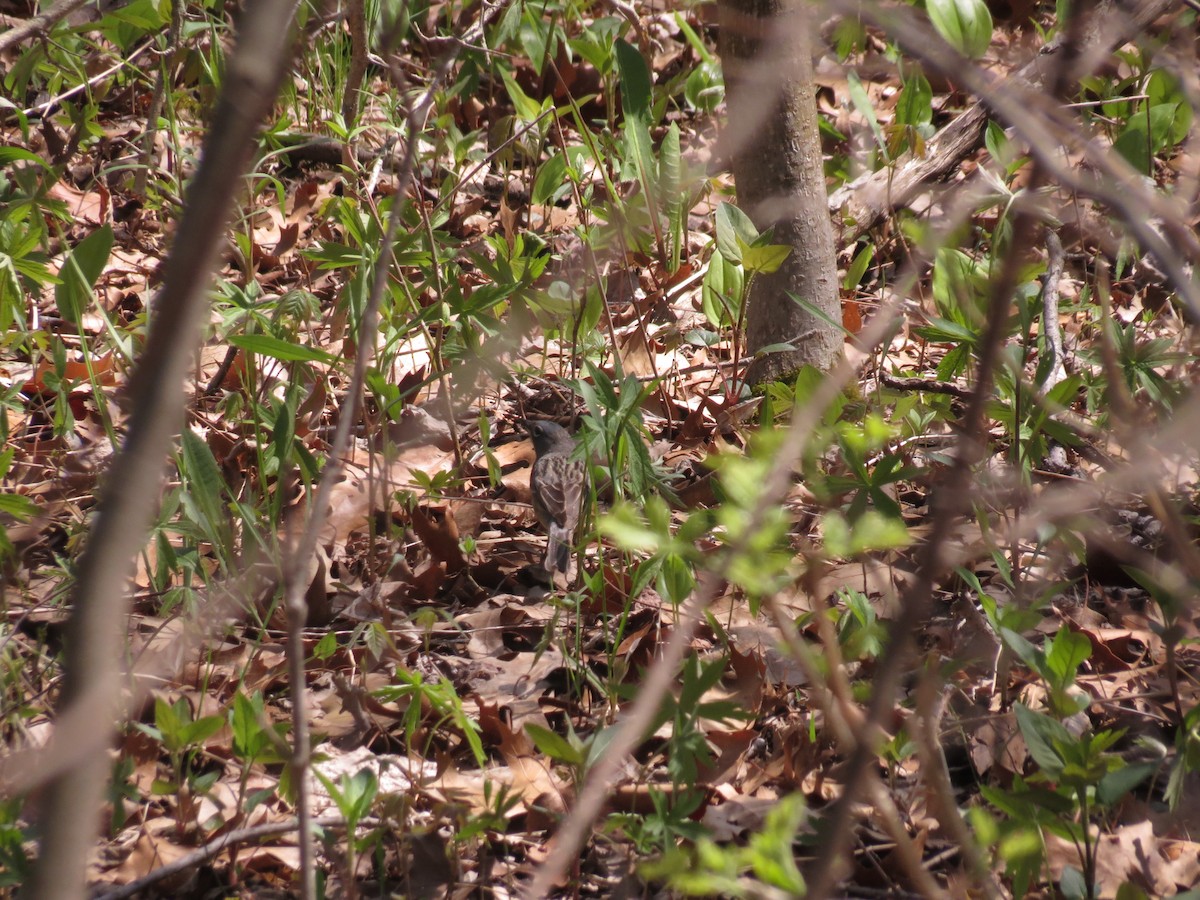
549, 437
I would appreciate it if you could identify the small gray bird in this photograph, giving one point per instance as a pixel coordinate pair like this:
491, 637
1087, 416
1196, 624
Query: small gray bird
556, 485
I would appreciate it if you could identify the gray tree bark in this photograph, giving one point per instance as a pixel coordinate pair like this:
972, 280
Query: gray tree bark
774, 144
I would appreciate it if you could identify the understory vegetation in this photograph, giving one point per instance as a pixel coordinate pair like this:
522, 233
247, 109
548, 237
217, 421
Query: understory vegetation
923, 624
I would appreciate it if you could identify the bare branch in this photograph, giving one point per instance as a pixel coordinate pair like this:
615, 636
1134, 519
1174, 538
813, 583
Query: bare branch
39, 24
96, 629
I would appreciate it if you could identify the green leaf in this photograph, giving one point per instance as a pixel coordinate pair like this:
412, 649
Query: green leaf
526, 107
723, 290
206, 486
284, 351
248, 737
1162, 89
635, 82
1062, 395
670, 189
169, 720
817, 313
940, 330
1164, 122
554, 745
202, 729
914, 106
696, 42
326, 646
965, 24
1072, 884
862, 103
765, 260
1119, 782
732, 224
283, 431
21, 508
357, 791
632, 532
676, 579
858, 268
635, 103
1026, 652
960, 285
872, 531
704, 88
999, 147
770, 851
1041, 733
79, 273
1065, 654
550, 181
10, 155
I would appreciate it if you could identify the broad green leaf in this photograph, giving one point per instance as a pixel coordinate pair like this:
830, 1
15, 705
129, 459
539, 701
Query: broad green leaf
79, 273
724, 291
704, 88
20, 508
1119, 782
206, 486
1063, 394
965, 24
1041, 734
554, 745
635, 82
733, 225
999, 147
635, 103
245, 721
630, 531
1145, 135
676, 579
959, 285
202, 729
872, 531
914, 106
1162, 89
765, 260
550, 181
1026, 652
526, 107
326, 646
858, 268
1065, 654
941, 330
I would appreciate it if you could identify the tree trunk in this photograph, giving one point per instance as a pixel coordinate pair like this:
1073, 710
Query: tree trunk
766, 52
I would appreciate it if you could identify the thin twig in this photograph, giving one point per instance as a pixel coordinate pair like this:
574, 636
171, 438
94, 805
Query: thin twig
217, 846
99, 612
949, 388
39, 24
302, 548
125, 62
